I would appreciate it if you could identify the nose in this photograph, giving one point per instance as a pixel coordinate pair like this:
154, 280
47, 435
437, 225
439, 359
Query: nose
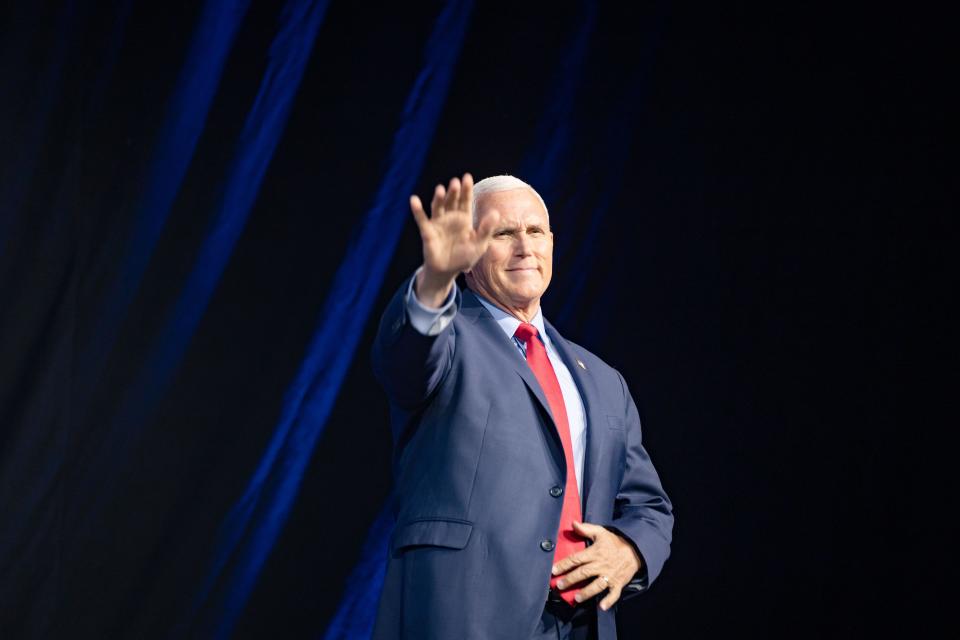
522, 247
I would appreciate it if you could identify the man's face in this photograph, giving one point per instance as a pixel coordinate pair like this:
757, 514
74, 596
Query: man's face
518, 264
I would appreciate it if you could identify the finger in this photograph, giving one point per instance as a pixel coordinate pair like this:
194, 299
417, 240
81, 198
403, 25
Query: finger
488, 225
573, 560
611, 598
577, 575
595, 588
587, 530
436, 206
466, 193
416, 208
453, 196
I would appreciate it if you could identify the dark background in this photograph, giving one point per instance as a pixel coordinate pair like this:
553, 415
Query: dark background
752, 225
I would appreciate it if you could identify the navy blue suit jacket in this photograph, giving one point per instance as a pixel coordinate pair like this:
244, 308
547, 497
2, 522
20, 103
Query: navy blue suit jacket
476, 455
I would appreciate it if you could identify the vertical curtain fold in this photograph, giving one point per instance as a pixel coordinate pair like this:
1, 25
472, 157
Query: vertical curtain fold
252, 526
43, 93
176, 144
262, 130
616, 141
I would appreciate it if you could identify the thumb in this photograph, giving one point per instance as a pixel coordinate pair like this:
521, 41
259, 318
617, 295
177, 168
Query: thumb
587, 530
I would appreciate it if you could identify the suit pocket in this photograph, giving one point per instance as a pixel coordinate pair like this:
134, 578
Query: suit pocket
452, 534
615, 422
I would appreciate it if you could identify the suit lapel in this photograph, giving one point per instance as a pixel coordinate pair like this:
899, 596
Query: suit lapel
586, 384
475, 312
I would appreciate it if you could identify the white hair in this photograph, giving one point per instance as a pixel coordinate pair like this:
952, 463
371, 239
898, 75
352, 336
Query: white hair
495, 184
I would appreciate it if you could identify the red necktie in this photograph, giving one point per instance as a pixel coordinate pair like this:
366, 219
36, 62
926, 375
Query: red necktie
568, 541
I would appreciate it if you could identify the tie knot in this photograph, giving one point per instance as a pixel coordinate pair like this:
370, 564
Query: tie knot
525, 331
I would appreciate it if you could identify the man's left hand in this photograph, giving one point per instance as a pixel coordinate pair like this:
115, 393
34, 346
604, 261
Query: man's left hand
608, 564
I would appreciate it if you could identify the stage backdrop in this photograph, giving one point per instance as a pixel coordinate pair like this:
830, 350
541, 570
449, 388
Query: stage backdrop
203, 209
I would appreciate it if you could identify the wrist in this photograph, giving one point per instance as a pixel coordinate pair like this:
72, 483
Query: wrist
431, 288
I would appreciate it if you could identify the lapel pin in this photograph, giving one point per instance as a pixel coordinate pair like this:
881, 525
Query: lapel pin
582, 366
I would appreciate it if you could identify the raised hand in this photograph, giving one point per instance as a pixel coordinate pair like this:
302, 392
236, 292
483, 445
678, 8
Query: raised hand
451, 244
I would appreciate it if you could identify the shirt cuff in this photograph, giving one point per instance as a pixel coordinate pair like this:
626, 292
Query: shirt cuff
427, 321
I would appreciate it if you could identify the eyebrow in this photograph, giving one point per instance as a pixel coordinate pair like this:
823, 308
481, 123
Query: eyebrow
513, 227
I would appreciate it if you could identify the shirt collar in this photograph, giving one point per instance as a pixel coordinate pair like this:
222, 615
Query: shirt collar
509, 323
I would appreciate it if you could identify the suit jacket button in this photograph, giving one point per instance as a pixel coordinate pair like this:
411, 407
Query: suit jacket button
546, 545
556, 491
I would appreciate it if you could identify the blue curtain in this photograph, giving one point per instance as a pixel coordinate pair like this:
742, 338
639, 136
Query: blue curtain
186, 127
254, 523
203, 208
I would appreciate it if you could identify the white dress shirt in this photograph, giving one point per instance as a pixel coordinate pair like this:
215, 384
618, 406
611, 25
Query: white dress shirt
431, 322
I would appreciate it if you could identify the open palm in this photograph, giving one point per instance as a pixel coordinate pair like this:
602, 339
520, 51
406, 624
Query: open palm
451, 244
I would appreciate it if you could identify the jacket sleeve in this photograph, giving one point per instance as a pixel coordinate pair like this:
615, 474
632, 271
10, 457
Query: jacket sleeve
408, 364
642, 511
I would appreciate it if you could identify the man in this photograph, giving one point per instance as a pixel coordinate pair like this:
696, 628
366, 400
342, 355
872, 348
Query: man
526, 503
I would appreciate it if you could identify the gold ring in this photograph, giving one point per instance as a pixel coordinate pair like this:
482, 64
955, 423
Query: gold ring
607, 580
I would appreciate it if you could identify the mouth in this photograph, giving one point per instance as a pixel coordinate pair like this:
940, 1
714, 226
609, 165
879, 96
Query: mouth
521, 269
